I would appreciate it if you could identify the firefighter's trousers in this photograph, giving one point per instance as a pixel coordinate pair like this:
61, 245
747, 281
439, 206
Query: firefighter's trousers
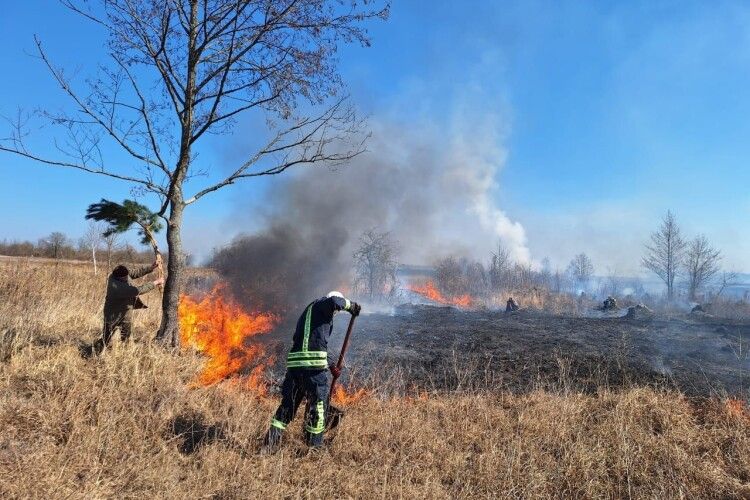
311, 385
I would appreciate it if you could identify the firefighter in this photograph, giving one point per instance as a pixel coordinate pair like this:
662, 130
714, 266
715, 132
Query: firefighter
307, 368
122, 297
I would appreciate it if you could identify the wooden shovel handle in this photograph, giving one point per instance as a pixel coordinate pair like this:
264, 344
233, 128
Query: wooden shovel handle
340, 363
155, 247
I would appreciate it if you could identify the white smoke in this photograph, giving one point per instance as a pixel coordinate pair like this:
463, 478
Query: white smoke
476, 163
433, 189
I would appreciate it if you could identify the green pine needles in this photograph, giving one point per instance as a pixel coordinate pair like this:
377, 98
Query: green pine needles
121, 218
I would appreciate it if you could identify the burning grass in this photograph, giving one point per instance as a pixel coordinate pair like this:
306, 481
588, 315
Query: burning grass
539, 299
431, 292
130, 424
221, 330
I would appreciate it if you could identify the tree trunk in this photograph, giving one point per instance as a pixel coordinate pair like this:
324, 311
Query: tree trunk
169, 331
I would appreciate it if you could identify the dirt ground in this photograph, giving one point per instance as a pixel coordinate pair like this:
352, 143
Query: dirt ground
445, 348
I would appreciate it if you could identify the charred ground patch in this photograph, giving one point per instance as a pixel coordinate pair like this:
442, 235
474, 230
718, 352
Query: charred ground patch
443, 348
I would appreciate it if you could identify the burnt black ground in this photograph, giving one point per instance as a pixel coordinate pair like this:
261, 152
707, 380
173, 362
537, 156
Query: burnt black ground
438, 348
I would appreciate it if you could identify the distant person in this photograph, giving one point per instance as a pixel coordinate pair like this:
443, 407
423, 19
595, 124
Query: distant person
122, 297
306, 370
511, 305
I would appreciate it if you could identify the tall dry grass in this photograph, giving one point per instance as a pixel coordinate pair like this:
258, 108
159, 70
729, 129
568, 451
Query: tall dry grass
128, 425
541, 299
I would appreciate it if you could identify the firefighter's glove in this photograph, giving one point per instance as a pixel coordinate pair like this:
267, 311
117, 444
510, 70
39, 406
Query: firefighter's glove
355, 309
335, 371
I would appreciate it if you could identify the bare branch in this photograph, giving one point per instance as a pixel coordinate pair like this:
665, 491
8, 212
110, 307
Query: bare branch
143, 110
320, 139
58, 163
59, 77
85, 13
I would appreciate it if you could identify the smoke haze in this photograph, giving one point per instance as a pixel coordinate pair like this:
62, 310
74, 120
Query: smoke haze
433, 190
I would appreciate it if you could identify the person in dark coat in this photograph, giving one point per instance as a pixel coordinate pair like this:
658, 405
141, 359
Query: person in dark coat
122, 297
511, 305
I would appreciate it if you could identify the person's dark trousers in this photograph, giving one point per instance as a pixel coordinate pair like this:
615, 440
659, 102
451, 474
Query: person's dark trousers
312, 386
123, 322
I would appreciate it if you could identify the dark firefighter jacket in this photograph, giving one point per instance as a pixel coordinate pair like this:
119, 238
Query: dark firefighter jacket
310, 344
122, 295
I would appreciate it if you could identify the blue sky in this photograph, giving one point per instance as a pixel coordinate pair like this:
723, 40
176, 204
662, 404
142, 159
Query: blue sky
612, 113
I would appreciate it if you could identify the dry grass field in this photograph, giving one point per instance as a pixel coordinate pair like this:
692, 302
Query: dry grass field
130, 424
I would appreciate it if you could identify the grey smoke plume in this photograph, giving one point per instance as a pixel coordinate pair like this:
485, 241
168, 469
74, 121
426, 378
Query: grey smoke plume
432, 189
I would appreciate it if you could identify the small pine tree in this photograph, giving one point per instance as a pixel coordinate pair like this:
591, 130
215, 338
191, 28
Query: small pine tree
121, 217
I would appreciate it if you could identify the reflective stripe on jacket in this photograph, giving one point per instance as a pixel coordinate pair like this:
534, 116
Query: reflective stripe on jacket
310, 343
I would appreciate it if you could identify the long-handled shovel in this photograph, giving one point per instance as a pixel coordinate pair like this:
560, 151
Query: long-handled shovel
336, 414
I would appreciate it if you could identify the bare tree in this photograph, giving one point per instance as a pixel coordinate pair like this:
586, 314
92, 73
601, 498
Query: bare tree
727, 279
91, 240
476, 278
500, 267
701, 264
375, 265
545, 274
580, 270
558, 281
613, 282
54, 245
449, 276
523, 276
664, 255
181, 69
111, 245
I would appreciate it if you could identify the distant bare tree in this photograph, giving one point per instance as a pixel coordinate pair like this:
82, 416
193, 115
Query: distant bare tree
180, 70
449, 276
581, 269
664, 255
500, 267
701, 264
54, 244
524, 276
727, 279
375, 266
92, 238
111, 246
129, 253
558, 281
545, 274
612, 283
475, 277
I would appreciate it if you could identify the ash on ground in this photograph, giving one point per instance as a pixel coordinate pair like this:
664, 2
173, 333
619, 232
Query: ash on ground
443, 348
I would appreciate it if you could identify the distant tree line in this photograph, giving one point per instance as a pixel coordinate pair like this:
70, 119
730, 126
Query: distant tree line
456, 276
690, 267
103, 252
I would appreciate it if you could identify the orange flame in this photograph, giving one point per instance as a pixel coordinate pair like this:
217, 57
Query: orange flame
219, 328
343, 397
737, 408
431, 292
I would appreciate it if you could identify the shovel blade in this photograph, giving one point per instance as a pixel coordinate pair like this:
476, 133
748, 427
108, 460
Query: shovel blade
334, 417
